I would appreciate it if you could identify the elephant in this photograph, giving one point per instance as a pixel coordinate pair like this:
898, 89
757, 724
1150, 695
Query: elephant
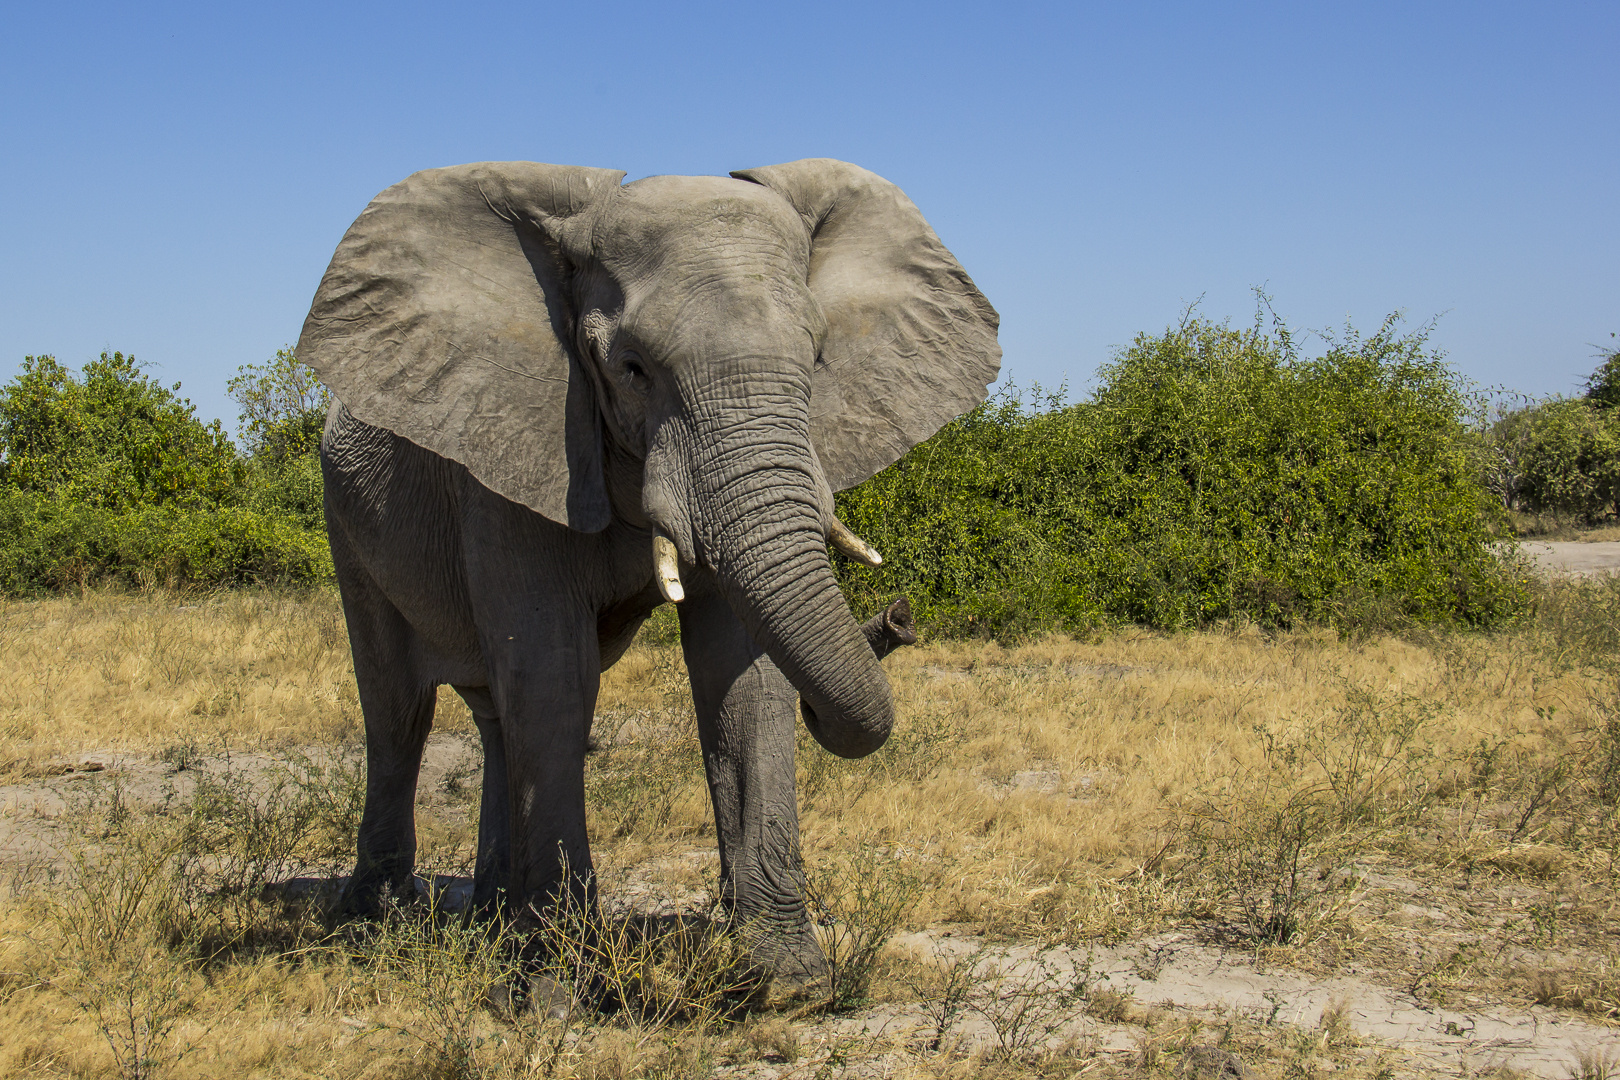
561, 400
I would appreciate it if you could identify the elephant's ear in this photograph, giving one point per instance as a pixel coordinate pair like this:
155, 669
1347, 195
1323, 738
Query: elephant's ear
911, 342
444, 317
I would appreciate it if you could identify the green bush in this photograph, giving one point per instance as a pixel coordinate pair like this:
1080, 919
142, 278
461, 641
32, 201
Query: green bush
1603, 385
1559, 458
1215, 473
283, 407
108, 476
113, 438
289, 490
1568, 458
48, 544
283, 414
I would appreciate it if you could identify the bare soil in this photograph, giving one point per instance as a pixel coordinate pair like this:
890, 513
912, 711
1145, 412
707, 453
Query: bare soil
1575, 557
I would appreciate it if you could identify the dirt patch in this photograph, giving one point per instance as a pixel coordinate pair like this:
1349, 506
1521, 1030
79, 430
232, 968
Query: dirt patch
42, 816
1574, 557
1179, 973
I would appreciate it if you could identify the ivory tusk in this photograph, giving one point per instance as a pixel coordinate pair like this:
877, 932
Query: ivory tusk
667, 568
852, 545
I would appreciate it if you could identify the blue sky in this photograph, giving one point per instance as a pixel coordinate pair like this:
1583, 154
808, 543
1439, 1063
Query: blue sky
175, 176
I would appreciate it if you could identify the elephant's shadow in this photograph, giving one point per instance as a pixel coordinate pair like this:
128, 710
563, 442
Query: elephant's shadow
453, 894
715, 973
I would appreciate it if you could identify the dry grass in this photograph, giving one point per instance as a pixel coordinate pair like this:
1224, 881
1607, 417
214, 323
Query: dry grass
109, 671
1057, 773
1062, 791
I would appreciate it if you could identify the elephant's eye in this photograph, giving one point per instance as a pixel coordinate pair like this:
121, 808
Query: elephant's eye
632, 366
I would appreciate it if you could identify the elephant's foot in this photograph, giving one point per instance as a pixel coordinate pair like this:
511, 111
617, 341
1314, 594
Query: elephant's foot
788, 961
372, 886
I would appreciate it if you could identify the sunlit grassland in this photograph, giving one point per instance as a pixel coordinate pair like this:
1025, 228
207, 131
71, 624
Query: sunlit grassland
1058, 790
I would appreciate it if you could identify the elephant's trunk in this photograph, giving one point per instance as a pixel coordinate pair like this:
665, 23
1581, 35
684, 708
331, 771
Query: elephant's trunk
762, 529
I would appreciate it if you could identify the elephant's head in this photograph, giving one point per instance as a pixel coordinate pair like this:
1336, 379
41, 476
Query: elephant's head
707, 358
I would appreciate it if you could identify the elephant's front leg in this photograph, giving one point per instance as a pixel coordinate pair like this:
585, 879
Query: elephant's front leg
746, 712
494, 866
544, 692
397, 698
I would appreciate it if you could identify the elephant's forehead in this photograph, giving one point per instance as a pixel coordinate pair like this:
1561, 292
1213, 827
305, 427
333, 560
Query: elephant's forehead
662, 210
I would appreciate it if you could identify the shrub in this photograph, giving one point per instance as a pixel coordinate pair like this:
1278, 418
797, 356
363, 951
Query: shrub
113, 439
1569, 458
1028, 1002
290, 490
1603, 385
283, 414
449, 968
1560, 457
283, 406
108, 476
859, 903
1215, 473
47, 544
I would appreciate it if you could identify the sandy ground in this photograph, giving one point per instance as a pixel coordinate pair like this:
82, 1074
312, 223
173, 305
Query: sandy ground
1179, 974
1575, 557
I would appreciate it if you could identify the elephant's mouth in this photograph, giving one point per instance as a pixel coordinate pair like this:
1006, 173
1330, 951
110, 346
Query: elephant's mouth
667, 560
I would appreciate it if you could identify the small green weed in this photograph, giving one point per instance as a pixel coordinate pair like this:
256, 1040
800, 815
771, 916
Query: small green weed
1269, 835
858, 902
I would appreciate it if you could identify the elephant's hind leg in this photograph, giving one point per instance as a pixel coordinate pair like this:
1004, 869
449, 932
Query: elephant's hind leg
397, 695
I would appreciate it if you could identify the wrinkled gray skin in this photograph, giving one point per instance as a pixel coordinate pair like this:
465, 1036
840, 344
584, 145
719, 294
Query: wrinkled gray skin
539, 368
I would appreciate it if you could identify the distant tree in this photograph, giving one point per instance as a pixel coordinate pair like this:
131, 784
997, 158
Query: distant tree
1502, 432
111, 438
1603, 386
283, 407
1569, 460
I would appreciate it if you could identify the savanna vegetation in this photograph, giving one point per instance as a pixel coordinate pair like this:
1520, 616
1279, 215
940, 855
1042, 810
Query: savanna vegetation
1438, 811
108, 477
1556, 463
1215, 473
1228, 655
